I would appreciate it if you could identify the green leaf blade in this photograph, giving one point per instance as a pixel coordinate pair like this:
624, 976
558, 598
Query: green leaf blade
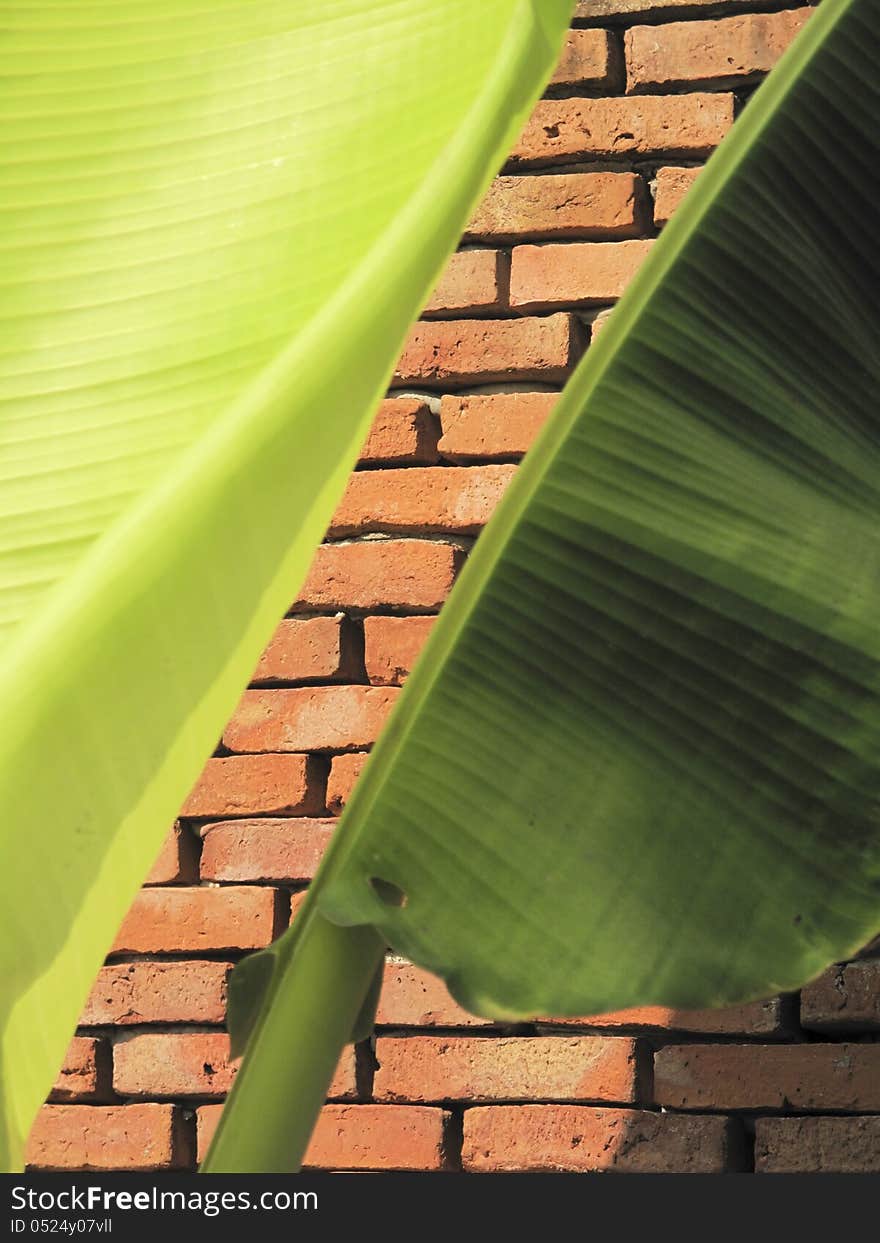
637, 762
220, 221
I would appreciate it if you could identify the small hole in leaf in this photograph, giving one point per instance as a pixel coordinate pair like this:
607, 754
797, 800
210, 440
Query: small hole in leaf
389, 893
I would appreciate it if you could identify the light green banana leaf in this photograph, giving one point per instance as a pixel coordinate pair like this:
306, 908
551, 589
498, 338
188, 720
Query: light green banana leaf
218, 221
639, 759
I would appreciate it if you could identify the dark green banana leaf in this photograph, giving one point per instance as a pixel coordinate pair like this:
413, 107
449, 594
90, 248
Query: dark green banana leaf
639, 760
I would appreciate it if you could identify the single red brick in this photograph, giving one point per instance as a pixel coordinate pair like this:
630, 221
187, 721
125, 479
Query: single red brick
404, 430
85, 1073
846, 998
308, 649
482, 351
729, 52
474, 282
178, 860
315, 718
264, 850
561, 205
439, 499
542, 1139
183, 1064
108, 1137
133, 993
824, 1077
391, 646
361, 1137
173, 1064
248, 785
574, 273
344, 772
817, 1145
200, 920
461, 1068
589, 59
562, 130
374, 574
757, 1018
489, 425
412, 997
377, 1137
670, 187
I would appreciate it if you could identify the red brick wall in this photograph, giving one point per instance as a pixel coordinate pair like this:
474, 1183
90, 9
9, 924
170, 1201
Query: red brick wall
644, 92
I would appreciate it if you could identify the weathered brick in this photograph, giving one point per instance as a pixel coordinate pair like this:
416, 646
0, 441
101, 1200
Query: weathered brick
483, 351
817, 1145
412, 997
435, 1068
361, 1137
250, 785
85, 1072
540, 1139
757, 1018
560, 205
437, 499
473, 282
315, 718
133, 993
308, 649
404, 430
173, 1064
728, 52
200, 920
108, 1137
670, 187
391, 646
264, 850
846, 998
588, 60
193, 1064
377, 1137
178, 860
374, 574
344, 772
657, 10
488, 425
561, 130
820, 1077
573, 274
